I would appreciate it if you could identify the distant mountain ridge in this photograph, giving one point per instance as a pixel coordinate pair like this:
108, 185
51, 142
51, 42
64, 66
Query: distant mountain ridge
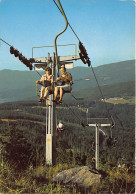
106, 74
125, 89
19, 85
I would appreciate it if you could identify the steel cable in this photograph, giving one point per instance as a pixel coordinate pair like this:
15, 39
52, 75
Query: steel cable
74, 115
5, 42
91, 65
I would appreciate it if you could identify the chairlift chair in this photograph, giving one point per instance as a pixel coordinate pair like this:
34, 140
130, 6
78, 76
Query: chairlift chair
45, 83
66, 87
60, 127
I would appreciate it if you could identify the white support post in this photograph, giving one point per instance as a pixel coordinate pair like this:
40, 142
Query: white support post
51, 127
49, 136
54, 126
97, 127
97, 146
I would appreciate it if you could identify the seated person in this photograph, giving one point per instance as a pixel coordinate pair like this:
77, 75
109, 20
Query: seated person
45, 81
114, 142
60, 126
66, 80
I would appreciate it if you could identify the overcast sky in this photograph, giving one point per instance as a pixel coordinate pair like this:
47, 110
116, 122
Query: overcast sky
106, 28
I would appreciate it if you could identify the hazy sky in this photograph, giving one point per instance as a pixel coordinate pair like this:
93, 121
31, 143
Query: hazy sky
106, 28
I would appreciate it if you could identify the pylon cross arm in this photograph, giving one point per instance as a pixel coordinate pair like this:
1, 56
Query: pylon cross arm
60, 58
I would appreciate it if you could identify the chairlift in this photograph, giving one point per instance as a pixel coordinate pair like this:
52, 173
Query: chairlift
115, 142
112, 142
66, 87
60, 126
41, 64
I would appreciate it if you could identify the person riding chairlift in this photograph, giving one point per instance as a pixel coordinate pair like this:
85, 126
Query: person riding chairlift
63, 84
45, 81
60, 126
